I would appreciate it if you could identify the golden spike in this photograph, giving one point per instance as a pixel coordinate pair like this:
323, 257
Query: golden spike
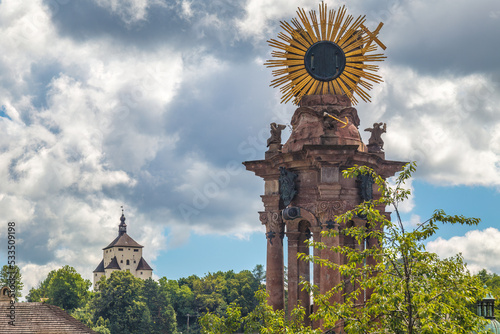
295, 35
277, 44
351, 31
284, 38
364, 95
348, 80
331, 18
355, 52
366, 84
354, 46
360, 73
337, 87
307, 25
344, 28
365, 58
279, 81
354, 79
338, 22
367, 67
343, 84
286, 55
324, 88
314, 87
314, 20
322, 19
300, 39
302, 31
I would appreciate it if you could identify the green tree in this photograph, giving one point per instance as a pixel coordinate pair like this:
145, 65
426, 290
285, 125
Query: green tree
10, 276
182, 299
67, 289
259, 273
41, 292
263, 319
413, 291
163, 316
64, 287
120, 301
492, 281
86, 315
407, 289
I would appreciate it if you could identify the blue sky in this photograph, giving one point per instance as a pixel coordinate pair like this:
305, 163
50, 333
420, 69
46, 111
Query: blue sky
154, 104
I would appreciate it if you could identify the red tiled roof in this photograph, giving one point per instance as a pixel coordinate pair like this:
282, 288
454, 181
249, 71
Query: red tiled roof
123, 240
143, 265
39, 318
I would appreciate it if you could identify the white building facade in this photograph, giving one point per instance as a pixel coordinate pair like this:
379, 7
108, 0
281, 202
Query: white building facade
123, 253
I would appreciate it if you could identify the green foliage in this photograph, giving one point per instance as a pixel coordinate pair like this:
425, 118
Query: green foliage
492, 281
36, 294
163, 318
259, 273
263, 319
120, 301
213, 293
64, 287
412, 290
11, 276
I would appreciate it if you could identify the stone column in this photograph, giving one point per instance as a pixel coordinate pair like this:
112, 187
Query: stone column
293, 269
274, 263
304, 272
316, 234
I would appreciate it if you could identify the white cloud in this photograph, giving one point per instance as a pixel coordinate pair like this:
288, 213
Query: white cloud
480, 248
445, 124
261, 16
130, 11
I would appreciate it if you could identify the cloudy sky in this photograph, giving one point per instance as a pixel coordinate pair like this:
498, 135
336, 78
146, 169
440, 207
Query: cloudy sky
153, 104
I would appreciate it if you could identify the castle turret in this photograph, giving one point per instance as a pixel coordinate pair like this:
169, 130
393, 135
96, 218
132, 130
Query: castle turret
124, 254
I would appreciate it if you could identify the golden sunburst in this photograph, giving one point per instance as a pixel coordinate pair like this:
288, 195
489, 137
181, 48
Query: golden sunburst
328, 55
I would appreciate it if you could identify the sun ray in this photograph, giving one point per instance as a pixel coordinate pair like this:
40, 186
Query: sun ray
325, 52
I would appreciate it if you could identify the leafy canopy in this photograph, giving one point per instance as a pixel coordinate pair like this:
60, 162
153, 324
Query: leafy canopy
405, 289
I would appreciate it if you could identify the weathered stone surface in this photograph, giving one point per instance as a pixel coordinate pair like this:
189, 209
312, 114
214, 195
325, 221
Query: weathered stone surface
312, 126
318, 150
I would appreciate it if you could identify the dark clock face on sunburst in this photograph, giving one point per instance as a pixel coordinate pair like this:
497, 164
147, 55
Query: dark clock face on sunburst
332, 53
325, 60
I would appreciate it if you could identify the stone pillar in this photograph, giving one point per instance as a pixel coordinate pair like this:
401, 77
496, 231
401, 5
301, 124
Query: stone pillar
293, 269
304, 272
274, 268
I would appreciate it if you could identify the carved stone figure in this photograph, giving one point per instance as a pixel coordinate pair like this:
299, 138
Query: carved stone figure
288, 189
275, 134
365, 182
375, 143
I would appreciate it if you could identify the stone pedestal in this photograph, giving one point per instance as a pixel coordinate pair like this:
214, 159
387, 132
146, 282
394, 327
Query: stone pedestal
318, 150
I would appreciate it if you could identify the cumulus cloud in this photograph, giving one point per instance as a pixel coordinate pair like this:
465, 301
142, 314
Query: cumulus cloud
130, 11
154, 105
480, 248
438, 121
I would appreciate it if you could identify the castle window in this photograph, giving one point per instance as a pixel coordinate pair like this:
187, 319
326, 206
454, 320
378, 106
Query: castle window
128, 262
141, 272
136, 250
121, 261
96, 274
134, 261
120, 249
129, 249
